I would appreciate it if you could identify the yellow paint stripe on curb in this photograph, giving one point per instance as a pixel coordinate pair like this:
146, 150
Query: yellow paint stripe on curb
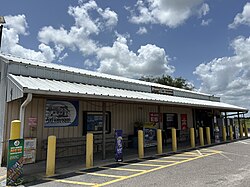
123, 169
102, 175
71, 182
151, 170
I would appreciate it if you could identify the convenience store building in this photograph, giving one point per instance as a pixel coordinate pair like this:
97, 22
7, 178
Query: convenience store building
68, 102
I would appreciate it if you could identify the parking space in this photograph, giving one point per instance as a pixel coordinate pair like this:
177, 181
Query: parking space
109, 174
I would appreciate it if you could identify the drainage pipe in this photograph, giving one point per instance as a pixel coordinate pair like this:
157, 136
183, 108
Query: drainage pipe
22, 112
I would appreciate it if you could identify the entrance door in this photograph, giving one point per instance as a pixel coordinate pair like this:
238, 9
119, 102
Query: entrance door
170, 120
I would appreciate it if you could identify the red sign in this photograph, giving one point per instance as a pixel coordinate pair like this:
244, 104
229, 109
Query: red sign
184, 121
32, 122
154, 117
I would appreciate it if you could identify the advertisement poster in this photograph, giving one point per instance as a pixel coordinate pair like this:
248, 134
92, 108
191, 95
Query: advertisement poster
29, 154
61, 113
184, 122
118, 146
15, 163
150, 137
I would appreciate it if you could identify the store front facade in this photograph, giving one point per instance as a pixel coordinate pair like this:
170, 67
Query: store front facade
68, 103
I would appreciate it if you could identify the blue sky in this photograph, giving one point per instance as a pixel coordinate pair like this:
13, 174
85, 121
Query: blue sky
205, 42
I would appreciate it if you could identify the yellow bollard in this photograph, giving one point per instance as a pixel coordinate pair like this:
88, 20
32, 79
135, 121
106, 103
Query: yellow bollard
174, 140
246, 131
159, 141
192, 138
224, 133
15, 130
231, 132
208, 135
89, 150
51, 156
201, 136
140, 144
241, 131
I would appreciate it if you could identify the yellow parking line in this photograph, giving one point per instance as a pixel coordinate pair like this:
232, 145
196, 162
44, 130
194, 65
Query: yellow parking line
154, 169
71, 182
122, 169
158, 160
188, 155
102, 175
174, 157
140, 164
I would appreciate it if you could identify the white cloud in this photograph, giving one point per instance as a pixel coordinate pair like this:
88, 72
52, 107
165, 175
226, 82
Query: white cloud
78, 37
203, 10
229, 77
241, 18
15, 26
206, 22
142, 30
119, 60
167, 12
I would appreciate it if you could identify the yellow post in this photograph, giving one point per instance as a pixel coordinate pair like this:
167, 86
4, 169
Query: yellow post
89, 150
246, 130
231, 132
159, 141
241, 131
192, 138
51, 156
15, 130
140, 144
201, 136
174, 141
208, 135
224, 133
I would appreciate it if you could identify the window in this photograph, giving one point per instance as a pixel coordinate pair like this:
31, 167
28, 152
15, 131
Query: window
93, 122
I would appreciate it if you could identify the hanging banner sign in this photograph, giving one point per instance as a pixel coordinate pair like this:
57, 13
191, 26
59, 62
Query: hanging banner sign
61, 113
15, 163
118, 146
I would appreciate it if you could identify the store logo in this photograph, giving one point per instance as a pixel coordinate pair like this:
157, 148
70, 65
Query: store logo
17, 143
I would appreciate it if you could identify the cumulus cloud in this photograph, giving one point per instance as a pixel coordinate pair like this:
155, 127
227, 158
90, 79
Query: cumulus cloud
166, 12
14, 27
142, 30
241, 18
229, 77
79, 35
119, 60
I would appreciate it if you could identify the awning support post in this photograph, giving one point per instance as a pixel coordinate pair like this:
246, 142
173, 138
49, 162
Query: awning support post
103, 130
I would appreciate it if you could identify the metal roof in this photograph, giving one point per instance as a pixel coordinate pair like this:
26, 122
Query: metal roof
61, 88
94, 73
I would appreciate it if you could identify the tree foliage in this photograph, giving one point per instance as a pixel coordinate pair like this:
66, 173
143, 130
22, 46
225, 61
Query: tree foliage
178, 82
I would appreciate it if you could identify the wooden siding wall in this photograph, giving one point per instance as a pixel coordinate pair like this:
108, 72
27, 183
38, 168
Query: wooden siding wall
123, 117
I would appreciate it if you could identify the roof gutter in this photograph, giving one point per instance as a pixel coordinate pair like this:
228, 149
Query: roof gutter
22, 112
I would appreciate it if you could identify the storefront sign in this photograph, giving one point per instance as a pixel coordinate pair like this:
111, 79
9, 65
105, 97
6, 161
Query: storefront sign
150, 138
29, 150
184, 121
118, 146
61, 113
15, 163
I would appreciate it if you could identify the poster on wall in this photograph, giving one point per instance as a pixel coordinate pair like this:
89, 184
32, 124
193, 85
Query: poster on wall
184, 122
61, 113
29, 154
154, 117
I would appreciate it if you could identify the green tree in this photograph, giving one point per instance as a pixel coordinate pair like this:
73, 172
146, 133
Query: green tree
178, 82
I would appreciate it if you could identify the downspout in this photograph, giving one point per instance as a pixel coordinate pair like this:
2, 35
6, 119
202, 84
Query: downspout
22, 112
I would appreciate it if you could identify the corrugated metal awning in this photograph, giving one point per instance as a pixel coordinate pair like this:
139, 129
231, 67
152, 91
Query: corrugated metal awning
18, 85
